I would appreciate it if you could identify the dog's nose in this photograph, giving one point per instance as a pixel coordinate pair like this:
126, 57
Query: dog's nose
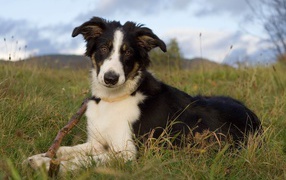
111, 78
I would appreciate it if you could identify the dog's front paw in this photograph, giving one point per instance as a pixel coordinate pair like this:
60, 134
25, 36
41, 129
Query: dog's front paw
38, 161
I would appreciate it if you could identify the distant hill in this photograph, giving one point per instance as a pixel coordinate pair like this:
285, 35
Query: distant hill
198, 63
56, 62
82, 62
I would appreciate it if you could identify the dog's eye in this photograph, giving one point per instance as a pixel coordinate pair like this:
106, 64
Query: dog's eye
104, 50
128, 53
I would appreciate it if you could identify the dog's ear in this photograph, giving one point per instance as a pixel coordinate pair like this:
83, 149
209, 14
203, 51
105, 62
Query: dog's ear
90, 29
148, 40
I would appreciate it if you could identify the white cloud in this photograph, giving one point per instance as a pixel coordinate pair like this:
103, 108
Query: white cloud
127, 8
15, 49
219, 46
217, 7
77, 49
191, 42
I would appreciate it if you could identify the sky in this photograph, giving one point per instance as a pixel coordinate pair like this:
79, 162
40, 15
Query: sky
219, 30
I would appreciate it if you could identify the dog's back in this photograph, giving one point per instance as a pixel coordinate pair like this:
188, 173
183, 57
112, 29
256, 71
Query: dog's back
167, 106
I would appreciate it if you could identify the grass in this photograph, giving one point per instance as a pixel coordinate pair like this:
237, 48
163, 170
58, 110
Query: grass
35, 103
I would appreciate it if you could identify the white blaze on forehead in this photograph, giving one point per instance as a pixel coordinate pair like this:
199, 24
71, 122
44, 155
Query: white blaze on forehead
112, 63
117, 41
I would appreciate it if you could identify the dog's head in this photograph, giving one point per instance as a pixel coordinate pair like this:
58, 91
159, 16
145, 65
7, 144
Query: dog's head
118, 52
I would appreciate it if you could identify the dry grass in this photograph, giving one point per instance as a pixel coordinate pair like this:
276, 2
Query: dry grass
35, 103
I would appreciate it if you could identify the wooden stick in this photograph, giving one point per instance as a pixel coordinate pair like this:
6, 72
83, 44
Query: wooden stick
54, 168
54, 163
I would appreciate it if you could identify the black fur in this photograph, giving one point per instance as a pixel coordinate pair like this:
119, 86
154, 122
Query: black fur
167, 105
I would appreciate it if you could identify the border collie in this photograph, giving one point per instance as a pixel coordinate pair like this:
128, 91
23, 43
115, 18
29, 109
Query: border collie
128, 101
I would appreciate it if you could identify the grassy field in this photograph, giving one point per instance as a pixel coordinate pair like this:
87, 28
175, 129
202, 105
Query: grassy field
35, 103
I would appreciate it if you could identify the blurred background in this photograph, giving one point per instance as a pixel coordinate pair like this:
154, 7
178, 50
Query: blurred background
222, 31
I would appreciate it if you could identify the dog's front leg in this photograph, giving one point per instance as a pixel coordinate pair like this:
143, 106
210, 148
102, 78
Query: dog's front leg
85, 155
83, 149
82, 155
65, 154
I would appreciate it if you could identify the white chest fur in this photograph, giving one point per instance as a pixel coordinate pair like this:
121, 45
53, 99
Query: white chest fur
111, 123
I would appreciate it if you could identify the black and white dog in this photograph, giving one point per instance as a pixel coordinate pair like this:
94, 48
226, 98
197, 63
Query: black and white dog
129, 102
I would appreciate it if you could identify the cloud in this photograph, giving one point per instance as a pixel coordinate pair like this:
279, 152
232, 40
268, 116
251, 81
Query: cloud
217, 7
12, 43
199, 42
227, 46
9, 26
110, 8
39, 40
